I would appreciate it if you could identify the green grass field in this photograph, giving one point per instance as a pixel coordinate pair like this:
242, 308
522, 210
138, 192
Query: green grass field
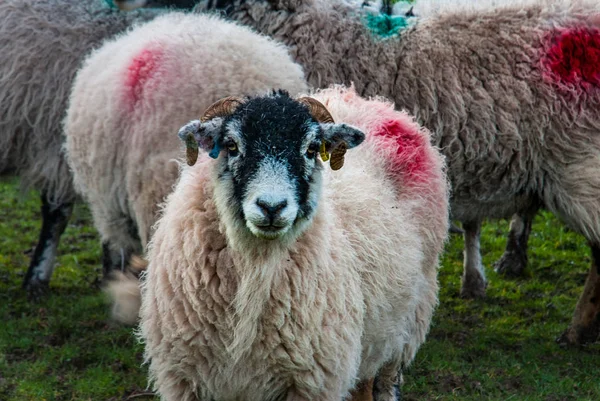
501, 348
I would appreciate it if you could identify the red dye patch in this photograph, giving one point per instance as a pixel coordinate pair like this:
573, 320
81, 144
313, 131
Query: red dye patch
408, 148
142, 68
573, 56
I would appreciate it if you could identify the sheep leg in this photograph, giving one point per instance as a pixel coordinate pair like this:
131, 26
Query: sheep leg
386, 386
514, 259
362, 392
454, 229
118, 258
585, 326
54, 221
113, 260
473, 279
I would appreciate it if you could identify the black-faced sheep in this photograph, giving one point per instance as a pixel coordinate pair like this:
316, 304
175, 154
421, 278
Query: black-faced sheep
43, 44
510, 96
135, 90
274, 277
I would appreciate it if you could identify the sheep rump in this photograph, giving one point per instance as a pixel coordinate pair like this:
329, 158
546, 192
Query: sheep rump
353, 296
161, 74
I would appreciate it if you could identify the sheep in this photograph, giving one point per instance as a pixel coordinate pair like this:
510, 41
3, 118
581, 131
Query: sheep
128, 5
43, 44
509, 104
118, 118
274, 277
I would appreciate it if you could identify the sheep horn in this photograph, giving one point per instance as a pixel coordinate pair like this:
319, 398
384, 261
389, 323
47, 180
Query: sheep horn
222, 108
317, 109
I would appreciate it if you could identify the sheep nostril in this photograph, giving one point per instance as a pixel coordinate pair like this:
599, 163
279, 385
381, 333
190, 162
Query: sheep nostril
271, 209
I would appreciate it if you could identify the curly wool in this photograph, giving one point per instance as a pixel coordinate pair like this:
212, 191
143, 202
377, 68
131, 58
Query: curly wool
163, 74
353, 295
43, 44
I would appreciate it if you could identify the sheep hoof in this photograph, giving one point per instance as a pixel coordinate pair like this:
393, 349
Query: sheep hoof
36, 289
511, 264
473, 287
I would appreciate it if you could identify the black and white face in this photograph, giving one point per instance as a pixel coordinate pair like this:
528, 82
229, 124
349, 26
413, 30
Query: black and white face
272, 162
269, 161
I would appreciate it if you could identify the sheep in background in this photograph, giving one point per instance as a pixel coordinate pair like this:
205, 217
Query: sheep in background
510, 96
161, 74
274, 277
43, 44
128, 5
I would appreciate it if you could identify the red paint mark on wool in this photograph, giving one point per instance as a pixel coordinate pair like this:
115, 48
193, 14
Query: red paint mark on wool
408, 148
573, 56
141, 70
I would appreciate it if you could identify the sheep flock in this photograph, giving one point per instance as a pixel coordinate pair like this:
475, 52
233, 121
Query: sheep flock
274, 181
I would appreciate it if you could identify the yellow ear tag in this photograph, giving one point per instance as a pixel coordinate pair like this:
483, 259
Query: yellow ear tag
337, 156
323, 152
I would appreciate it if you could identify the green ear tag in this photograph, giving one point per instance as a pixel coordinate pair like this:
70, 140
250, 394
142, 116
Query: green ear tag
323, 152
191, 147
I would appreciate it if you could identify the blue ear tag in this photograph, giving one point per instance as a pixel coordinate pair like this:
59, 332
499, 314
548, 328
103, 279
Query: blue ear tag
214, 153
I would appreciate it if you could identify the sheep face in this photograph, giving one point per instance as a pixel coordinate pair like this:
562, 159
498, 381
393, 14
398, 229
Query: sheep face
268, 166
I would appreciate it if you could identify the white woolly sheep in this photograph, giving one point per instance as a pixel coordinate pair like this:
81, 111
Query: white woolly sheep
510, 96
139, 87
273, 277
43, 44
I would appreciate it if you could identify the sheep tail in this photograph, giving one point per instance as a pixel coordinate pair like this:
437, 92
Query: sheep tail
123, 290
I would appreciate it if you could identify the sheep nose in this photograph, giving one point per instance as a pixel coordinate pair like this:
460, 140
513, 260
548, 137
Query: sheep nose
271, 208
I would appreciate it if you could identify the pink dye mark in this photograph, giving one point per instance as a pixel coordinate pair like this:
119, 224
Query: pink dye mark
140, 72
408, 149
573, 56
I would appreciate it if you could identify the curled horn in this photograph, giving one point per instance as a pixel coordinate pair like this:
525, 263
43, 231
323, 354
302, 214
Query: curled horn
222, 108
317, 110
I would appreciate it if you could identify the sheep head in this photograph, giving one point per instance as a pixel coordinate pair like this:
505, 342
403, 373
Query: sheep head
269, 165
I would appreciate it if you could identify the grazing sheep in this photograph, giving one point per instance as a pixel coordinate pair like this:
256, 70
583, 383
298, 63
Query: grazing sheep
43, 44
161, 74
510, 95
274, 277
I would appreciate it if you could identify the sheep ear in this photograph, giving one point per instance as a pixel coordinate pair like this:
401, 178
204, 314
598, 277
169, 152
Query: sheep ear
205, 136
337, 138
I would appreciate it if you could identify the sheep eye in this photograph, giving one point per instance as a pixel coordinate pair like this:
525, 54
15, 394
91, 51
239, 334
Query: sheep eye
232, 148
311, 152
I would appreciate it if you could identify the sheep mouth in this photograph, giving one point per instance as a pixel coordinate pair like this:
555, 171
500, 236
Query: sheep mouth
268, 231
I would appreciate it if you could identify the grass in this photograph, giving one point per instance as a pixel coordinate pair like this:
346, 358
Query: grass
500, 348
